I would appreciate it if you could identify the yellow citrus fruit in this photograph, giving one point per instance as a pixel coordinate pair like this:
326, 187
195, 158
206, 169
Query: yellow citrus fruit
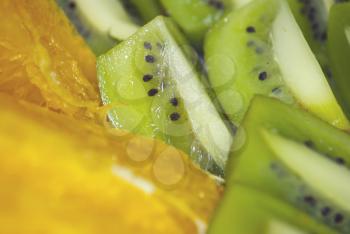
60, 175
43, 59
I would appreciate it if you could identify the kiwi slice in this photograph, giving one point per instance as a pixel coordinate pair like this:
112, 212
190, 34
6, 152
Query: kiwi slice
147, 9
295, 157
246, 211
312, 17
195, 17
339, 51
102, 23
152, 85
259, 49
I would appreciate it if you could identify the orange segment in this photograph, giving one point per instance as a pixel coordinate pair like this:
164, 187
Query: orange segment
43, 59
59, 175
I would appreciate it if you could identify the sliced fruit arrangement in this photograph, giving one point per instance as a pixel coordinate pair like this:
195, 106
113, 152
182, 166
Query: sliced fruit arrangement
44, 61
195, 17
60, 175
265, 53
102, 23
339, 51
246, 211
297, 158
152, 87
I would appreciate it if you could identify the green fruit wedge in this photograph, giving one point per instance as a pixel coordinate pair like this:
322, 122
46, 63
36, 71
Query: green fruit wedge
152, 86
195, 17
339, 51
297, 158
260, 49
246, 211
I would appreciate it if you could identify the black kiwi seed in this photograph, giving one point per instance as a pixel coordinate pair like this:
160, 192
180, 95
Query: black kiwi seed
71, 5
310, 200
323, 36
312, 10
147, 77
338, 218
174, 116
250, 29
315, 26
262, 75
152, 92
325, 211
309, 143
174, 101
149, 58
147, 45
340, 161
216, 4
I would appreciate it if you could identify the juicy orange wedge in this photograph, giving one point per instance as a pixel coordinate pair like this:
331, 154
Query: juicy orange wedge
60, 175
44, 60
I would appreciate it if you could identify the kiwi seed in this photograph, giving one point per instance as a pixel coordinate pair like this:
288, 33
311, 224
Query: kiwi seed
174, 101
250, 29
338, 218
174, 116
310, 200
340, 161
325, 211
262, 76
147, 77
216, 4
152, 92
309, 143
150, 58
147, 45
71, 5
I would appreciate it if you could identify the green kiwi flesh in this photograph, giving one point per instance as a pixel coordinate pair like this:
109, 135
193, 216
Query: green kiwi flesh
339, 51
195, 17
152, 85
296, 157
312, 17
259, 49
102, 23
147, 9
244, 210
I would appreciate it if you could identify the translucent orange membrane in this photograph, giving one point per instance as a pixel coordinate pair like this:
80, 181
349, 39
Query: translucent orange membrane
43, 59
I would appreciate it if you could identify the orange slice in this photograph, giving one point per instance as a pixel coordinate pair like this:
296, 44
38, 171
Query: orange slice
59, 175
44, 60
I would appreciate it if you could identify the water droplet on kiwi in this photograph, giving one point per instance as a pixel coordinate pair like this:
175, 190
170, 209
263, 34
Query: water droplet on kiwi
347, 33
239, 139
232, 100
226, 75
125, 117
131, 89
169, 167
